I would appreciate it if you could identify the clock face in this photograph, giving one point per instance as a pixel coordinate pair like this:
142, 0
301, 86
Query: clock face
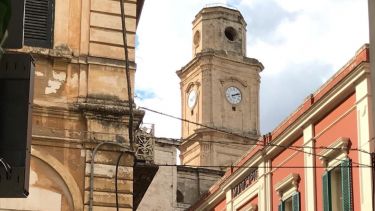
233, 95
192, 99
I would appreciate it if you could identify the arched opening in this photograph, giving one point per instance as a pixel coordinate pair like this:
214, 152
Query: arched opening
230, 33
180, 197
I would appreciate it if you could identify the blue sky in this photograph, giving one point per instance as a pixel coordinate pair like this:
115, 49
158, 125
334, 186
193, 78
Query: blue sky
301, 43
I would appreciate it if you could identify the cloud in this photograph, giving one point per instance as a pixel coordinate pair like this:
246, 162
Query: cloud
263, 18
300, 42
144, 94
282, 93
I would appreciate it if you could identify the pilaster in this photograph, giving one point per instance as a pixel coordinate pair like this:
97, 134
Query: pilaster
365, 135
309, 160
229, 201
264, 196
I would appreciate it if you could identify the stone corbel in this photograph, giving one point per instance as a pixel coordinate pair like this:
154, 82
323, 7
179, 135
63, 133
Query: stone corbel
289, 183
253, 207
338, 148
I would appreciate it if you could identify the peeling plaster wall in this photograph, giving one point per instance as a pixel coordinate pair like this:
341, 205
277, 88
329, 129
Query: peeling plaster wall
79, 100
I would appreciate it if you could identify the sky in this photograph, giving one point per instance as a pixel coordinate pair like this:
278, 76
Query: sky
301, 44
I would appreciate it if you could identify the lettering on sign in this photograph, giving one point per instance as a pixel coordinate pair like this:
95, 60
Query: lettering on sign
246, 182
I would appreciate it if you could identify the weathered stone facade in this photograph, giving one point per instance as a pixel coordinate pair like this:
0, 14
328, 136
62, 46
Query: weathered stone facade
80, 100
175, 188
161, 195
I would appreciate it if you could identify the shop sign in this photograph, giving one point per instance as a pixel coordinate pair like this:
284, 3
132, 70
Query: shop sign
246, 182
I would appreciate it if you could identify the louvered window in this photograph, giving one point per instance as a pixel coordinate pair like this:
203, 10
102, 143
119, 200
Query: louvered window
291, 204
38, 29
337, 188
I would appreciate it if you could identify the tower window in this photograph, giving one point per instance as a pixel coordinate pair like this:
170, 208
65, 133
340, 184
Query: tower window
197, 38
230, 33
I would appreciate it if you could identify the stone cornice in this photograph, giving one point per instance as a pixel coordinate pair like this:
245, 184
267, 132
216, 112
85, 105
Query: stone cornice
66, 54
106, 108
200, 170
212, 54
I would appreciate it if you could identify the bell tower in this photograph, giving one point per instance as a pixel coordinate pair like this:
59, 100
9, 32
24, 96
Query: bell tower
219, 89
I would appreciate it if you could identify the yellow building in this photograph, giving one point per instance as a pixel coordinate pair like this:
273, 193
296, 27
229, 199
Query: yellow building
80, 102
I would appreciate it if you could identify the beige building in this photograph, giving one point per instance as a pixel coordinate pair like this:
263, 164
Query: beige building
81, 102
175, 188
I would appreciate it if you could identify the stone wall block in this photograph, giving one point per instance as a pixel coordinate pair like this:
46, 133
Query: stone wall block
109, 199
108, 185
108, 171
109, 6
111, 21
110, 37
106, 51
97, 208
110, 157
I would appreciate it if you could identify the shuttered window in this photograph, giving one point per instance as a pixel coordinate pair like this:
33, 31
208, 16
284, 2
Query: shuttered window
346, 185
337, 188
326, 179
291, 204
296, 202
38, 29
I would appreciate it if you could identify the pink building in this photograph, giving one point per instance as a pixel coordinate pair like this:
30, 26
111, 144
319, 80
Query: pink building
319, 158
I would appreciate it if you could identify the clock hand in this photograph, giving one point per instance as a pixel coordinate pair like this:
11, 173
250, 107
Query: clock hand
235, 94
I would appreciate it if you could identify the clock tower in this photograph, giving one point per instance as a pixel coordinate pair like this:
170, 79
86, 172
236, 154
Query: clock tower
219, 91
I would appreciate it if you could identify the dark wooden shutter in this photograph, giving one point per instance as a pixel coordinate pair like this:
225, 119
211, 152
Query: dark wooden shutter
38, 23
296, 202
326, 180
346, 185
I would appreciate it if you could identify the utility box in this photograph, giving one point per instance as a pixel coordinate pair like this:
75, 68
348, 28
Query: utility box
16, 97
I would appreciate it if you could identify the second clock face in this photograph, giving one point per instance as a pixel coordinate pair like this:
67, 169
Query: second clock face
192, 99
233, 95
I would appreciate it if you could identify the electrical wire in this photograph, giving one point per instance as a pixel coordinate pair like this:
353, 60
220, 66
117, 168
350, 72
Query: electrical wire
256, 143
241, 136
130, 97
116, 179
80, 132
292, 147
254, 167
219, 130
127, 71
7, 167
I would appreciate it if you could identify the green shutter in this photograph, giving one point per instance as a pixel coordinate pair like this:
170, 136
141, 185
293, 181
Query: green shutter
326, 192
282, 206
296, 202
346, 185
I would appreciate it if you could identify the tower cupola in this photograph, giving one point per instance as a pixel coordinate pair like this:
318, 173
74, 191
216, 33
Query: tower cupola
220, 29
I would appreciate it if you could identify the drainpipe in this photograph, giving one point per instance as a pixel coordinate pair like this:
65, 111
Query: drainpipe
91, 195
371, 14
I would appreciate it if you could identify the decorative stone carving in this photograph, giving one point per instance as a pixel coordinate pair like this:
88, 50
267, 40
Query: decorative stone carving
144, 144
